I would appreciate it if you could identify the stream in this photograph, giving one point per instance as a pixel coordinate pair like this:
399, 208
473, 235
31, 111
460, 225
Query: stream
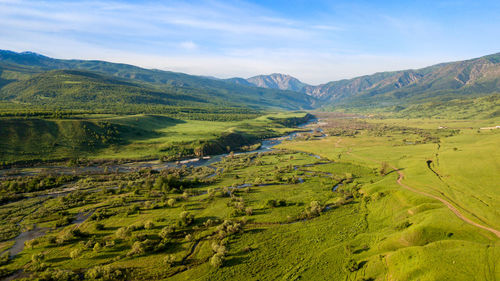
266, 145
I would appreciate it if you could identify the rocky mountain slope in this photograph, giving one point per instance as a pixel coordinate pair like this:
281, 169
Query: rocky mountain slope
472, 77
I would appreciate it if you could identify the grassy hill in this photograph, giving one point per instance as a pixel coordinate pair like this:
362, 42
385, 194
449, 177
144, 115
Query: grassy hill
133, 136
159, 87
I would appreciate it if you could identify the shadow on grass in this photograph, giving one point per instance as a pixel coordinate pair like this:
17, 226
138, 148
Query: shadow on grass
105, 256
234, 260
61, 259
255, 230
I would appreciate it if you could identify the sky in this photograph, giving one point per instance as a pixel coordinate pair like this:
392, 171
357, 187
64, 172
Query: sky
314, 41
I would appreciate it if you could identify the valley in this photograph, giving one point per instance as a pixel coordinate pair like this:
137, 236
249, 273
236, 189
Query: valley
361, 200
115, 172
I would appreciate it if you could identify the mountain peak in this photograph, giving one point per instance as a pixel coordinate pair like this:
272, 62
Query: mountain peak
277, 81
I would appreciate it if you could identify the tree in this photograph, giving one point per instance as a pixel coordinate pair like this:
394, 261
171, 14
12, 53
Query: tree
166, 232
217, 260
123, 232
186, 218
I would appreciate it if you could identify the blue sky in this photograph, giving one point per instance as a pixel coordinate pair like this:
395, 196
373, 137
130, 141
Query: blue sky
315, 41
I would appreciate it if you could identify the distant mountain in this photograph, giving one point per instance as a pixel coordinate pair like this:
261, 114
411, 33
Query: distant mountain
435, 84
20, 68
445, 81
277, 81
84, 89
475, 77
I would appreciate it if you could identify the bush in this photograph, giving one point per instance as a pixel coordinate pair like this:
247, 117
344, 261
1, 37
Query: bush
171, 202
75, 253
186, 218
37, 258
123, 232
313, 210
137, 249
64, 221
217, 260
141, 248
351, 265
166, 232
104, 273
169, 260
149, 225
276, 203
58, 275
31, 243
97, 247
99, 226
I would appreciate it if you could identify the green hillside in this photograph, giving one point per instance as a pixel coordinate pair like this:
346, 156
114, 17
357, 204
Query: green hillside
158, 87
133, 136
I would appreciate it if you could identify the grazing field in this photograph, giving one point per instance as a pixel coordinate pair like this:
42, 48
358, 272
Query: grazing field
460, 167
351, 199
133, 136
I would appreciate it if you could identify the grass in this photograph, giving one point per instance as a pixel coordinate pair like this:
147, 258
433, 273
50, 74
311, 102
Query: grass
370, 228
128, 137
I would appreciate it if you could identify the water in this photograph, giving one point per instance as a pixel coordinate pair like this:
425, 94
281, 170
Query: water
25, 236
266, 145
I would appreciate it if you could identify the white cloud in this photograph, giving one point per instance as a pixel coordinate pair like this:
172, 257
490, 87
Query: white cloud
188, 45
215, 38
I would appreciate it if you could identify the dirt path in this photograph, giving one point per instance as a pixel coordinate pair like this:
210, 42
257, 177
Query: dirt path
446, 203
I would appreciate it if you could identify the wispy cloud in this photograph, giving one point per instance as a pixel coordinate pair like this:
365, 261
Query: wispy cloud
239, 38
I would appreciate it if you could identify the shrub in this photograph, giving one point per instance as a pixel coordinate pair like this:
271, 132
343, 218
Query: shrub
75, 253
149, 225
58, 275
64, 221
166, 232
171, 202
104, 273
219, 248
37, 258
76, 232
186, 218
249, 211
169, 260
123, 232
137, 249
97, 247
351, 265
31, 243
313, 210
384, 168
217, 260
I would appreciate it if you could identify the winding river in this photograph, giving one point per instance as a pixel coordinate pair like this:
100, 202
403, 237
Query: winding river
35, 232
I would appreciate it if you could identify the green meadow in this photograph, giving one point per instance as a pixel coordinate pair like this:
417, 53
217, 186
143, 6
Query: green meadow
133, 136
315, 208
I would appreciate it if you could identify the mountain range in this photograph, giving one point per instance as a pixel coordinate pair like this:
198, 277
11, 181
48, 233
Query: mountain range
33, 78
472, 77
